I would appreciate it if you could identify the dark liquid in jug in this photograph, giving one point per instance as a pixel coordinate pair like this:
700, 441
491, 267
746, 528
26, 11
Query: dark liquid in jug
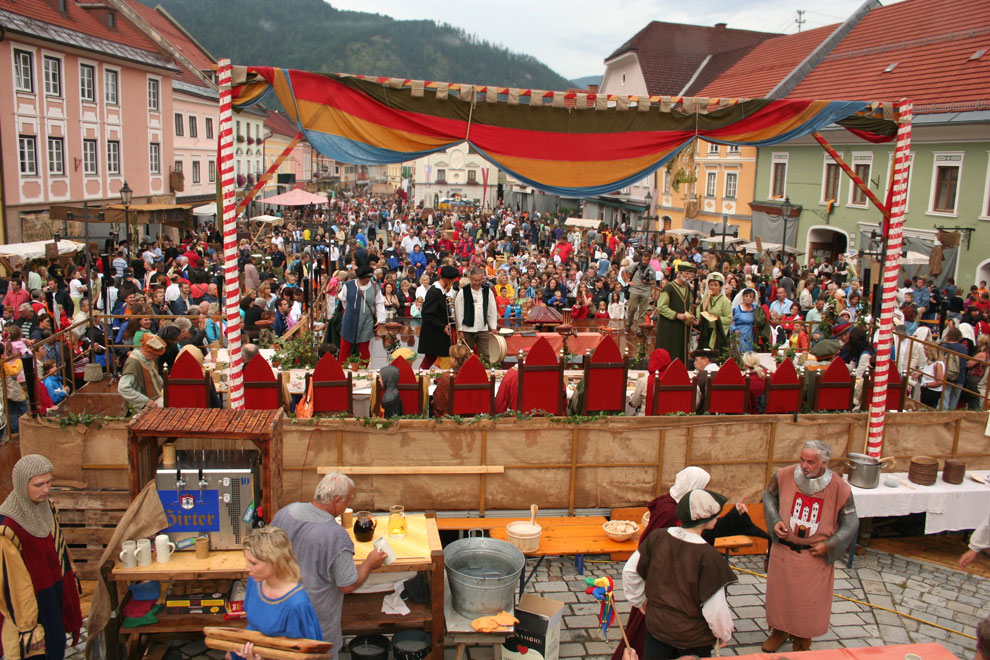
364, 530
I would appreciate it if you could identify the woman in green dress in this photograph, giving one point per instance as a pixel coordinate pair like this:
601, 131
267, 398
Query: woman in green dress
714, 315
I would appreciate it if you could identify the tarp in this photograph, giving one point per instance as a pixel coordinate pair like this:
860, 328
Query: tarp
601, 144
206, 209
265, 218
768, 247
36, 249
582, 223
294, 197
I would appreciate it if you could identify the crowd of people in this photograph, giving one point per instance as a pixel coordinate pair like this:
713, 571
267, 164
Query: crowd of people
362, 262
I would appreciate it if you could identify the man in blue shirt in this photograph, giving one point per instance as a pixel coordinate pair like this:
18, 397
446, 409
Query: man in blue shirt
782, 305
922, 297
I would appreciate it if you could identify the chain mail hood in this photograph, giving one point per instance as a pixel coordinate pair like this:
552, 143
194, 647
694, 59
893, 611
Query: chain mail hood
34, 517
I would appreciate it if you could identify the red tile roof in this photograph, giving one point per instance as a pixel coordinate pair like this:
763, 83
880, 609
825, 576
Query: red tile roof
763, 66
278, 123
931, 42
670, 53
177, 38
86, 21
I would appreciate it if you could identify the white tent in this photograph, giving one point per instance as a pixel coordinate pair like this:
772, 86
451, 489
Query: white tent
36, 249
768, 247
682, 231
582, 223
717, 240
206, 209
913, 259
265, 218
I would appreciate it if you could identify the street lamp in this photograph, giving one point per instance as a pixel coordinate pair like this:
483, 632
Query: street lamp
125, 198
785, 212
649, 209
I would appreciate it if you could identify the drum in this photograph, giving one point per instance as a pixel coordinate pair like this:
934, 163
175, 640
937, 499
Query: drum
497, 349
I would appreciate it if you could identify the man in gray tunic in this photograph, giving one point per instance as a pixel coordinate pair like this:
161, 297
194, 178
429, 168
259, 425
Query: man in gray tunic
326, 552
641, 278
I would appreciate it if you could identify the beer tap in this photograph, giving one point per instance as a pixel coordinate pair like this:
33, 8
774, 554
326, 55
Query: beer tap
203, 483
179, 482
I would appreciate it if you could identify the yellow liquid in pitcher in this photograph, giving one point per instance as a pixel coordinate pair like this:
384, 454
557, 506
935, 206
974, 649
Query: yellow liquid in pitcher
397, 526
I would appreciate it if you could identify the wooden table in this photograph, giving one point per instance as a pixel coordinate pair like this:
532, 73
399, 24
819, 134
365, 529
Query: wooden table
578, 536
420, 550
930, 651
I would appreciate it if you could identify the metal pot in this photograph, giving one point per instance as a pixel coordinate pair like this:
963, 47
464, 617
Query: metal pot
483, 574
864, 471
411, 645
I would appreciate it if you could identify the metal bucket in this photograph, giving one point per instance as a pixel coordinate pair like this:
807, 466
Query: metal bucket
864, 470
483, 574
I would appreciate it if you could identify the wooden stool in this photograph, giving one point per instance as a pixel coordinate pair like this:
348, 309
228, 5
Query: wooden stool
730, 544
464, 639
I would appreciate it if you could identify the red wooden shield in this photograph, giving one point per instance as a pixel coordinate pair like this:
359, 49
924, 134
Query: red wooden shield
331, 388
472, 389
260, 385
676, 391
835, 388
728, 390
605, 386
186, 384
539, 390
784, 393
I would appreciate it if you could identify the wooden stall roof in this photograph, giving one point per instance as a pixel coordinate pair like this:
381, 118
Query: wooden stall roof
209, 422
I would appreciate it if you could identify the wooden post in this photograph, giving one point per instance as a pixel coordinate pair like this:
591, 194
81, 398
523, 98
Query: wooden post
660, 446
484, 461
770, 452
574, 453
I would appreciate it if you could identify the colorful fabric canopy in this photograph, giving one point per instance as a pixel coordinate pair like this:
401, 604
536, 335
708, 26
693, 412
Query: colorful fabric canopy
296, 197
571, 144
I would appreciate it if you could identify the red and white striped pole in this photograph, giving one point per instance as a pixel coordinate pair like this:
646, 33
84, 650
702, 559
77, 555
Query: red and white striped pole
895, 241
232, 283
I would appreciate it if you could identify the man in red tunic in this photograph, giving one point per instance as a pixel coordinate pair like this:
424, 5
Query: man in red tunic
813, 518
41, 596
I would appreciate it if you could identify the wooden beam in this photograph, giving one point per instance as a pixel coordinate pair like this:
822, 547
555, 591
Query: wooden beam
859, 183
414, 469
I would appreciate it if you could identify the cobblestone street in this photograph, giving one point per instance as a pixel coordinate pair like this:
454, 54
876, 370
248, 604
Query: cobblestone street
952, 599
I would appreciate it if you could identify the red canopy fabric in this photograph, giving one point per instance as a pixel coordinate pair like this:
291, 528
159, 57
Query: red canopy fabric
294, 198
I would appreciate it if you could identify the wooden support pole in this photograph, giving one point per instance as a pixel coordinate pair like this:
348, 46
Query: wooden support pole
484, 464
266, 177
859, 183
574, 454
660, 445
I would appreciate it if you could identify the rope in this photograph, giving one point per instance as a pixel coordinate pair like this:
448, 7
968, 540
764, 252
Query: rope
878, 607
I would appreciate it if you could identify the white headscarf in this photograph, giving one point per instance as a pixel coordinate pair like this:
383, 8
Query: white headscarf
688, 479
967, 332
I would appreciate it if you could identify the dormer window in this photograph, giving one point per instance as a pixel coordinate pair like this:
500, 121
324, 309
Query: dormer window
891, 67
111, 20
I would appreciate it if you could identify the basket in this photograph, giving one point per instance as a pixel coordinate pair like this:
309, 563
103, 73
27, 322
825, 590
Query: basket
522, 535
611, 530
953, 471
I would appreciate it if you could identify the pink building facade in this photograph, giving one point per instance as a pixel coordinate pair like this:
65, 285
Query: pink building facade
80, 115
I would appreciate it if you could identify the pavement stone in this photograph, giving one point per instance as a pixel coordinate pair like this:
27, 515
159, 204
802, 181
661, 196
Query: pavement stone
950, 598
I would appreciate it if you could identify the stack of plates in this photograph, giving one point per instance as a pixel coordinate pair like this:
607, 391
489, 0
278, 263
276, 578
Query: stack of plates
923, 470
953, 471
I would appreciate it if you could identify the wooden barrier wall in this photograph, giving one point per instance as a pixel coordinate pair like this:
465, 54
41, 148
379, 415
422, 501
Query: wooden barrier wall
621, 461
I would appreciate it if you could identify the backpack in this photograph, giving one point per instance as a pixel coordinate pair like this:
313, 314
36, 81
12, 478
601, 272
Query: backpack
951, 368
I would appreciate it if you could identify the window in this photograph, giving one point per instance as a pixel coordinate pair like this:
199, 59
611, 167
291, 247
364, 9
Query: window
178, 125
209, 128
27, 152
472, 176
23, 71
945, 184
733, 149
53, 76
712, 148
711, 182
113, 157
110, 79
247, 127
178, 166
193, 129
56, 156
237, 132
89, 157
778, 176
731, 184
830, 184
441, 176
212, 169
195, 171
155, 158
153, 96
862, 164
87, 82
666, 181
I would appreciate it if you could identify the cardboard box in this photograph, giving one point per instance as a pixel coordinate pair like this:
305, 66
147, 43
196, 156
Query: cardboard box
537, 635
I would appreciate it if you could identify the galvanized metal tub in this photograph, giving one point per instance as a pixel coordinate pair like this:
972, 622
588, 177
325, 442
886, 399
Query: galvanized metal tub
483, 574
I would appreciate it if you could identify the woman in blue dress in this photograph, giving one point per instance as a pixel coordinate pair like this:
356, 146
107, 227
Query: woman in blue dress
743, 316
275, 601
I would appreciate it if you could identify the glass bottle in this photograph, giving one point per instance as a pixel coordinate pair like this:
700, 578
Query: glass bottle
397, 522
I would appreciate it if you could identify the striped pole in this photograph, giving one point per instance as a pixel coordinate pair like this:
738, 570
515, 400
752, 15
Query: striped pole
894, 239
266, 177
232, 284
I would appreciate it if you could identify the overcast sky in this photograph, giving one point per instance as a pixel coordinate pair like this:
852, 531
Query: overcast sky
573, 37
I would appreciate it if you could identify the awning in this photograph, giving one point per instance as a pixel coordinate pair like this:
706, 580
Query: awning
294, 197
265, 218
206, 209
583, 223
768, 247
681, 231
36, 249
591, 149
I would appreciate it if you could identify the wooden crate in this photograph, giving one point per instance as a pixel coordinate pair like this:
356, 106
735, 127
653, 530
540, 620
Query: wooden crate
88, 517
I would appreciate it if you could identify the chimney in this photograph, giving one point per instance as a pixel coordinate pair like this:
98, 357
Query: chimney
592, 89
721, 26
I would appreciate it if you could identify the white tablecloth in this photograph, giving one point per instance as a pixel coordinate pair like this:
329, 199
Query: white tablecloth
948, 507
